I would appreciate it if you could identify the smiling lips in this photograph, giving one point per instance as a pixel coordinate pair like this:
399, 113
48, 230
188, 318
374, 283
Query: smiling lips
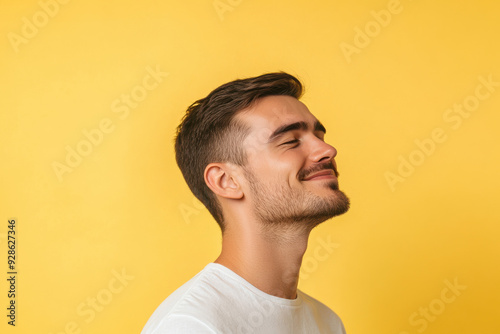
324, 174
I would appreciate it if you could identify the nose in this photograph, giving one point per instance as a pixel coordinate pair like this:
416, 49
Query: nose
321, 151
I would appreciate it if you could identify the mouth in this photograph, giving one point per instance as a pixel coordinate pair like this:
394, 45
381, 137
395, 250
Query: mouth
321, 175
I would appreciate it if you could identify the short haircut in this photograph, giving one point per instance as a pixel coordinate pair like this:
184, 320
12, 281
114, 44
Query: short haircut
210, 133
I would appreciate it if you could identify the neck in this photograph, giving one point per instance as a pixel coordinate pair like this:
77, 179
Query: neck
267, 256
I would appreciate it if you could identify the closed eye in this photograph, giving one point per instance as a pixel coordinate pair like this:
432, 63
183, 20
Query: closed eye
291, 142
320, 135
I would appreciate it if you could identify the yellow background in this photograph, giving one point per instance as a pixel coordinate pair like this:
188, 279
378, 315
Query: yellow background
126, 207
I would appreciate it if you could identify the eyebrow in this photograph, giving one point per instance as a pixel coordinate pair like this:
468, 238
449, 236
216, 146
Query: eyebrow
294, 126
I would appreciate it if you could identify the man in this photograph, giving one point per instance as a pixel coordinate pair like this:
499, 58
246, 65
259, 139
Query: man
255, 156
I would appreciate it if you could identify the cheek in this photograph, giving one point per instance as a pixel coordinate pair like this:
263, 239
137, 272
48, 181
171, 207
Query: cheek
284, 167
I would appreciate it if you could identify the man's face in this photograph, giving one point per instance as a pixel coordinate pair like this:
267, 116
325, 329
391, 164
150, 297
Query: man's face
291, 172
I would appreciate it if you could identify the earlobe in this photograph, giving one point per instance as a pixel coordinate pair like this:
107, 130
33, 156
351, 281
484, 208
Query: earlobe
222, 181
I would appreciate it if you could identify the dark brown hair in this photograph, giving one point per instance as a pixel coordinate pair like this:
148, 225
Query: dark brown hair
209, 132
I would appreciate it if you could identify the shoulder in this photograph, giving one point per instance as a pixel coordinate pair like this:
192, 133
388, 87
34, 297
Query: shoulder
196, 304
178, 324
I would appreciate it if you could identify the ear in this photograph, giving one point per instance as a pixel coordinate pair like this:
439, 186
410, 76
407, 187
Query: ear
221, 178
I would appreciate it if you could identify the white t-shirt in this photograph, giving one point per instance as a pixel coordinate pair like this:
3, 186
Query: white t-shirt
218, 301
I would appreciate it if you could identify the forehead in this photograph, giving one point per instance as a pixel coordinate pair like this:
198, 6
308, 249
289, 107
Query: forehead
269, 112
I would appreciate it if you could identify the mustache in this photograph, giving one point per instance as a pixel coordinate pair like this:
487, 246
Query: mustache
326, 165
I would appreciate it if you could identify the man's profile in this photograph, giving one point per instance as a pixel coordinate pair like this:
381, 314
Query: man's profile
255, 156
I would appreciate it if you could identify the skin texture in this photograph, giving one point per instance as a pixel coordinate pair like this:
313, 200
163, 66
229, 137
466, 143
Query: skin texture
270, 205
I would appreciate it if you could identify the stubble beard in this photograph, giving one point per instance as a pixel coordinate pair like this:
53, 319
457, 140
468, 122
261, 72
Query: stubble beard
282, 207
